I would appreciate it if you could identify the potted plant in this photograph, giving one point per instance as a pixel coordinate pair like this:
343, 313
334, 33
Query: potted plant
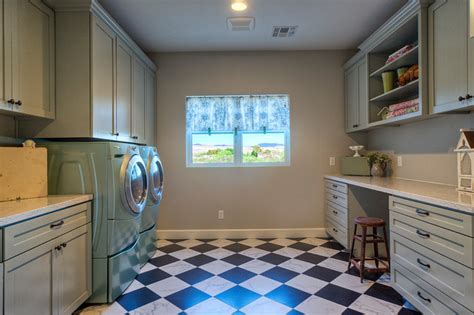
378, 163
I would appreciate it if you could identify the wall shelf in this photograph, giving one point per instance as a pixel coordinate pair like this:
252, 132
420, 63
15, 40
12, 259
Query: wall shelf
408, 59
399, 93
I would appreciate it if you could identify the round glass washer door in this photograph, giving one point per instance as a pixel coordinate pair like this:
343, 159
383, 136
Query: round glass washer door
134, 183
155, 173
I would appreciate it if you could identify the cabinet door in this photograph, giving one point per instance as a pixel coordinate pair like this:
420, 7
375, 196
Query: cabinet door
352, 99
28, 284
471, 51
448, 33
123, 103
29, 57
138, 110
103, 61
150, 99
362, 90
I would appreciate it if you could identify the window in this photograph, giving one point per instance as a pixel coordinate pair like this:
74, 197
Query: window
244, 130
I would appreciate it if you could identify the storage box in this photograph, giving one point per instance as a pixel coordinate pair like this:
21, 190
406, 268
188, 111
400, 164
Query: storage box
23, 173
357, 166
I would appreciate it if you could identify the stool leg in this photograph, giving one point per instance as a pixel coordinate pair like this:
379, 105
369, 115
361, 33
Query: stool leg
385, 239
376, 247
351, 254
362, 255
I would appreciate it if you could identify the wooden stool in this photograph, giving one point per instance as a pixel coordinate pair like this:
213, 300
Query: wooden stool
373, 238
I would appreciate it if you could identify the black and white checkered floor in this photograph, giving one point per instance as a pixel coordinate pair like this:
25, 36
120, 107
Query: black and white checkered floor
253, 276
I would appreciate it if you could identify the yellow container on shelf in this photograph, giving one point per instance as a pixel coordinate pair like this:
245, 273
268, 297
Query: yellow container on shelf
388, 79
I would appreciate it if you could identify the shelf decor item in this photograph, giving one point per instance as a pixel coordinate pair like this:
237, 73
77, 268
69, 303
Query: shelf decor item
409, 75
356, 149
399, 53
378, 163
465, 160
388, 79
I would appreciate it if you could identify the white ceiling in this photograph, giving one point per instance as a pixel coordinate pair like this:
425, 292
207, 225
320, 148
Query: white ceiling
200, 25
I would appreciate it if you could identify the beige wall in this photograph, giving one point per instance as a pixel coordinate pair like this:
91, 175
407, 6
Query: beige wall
272, 197
426, 147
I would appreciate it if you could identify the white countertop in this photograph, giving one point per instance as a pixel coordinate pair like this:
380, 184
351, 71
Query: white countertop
436, 194
15, 211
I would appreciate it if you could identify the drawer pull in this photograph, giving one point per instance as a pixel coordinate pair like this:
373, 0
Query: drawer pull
334, 211
64, 245
334, 229
334, 186
58, 248
57, 225
422, 234
334, 197
422, 297
423, 213
418, 260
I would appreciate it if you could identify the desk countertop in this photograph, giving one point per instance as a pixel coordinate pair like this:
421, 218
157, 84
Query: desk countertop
436, 194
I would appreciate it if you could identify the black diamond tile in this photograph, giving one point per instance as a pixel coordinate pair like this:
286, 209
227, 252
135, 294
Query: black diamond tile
170, 248
187, 298
137, 298
176, 240
236, 259
269, 247
344, 256
385, 293
406, 311
296, 238
237, 275
350, 311
302, 246
163, 260
152, 276
236, 239
311, 258
274, 258
280, 274
236, 247
238, 297
288, 296
338, 295
372, 276
206, 240
194, 276
322, 273
333, 245
203, 248
199, 260
294, 312
266, 239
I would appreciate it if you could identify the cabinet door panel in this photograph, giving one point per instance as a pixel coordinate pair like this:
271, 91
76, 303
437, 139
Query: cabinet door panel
151, 118
362, 89
139, 88
103, 57
352, 99
123, 103
471, 50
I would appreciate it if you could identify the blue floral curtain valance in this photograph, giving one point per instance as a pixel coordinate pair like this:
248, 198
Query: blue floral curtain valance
244, 112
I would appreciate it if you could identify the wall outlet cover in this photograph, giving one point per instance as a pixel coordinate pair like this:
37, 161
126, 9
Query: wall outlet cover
220, 214
332, 161
399, 161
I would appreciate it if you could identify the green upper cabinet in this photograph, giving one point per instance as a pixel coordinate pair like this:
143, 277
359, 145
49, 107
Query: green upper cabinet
28, 86
451, 60
356, 96
123, 91
139, 119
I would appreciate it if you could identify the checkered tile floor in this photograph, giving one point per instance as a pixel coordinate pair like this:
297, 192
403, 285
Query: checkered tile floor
253, 276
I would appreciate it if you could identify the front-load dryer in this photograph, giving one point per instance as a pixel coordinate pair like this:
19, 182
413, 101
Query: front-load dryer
117, 177
147, 240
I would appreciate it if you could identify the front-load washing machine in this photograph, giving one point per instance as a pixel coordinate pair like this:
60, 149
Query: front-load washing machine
147, 240
117, 177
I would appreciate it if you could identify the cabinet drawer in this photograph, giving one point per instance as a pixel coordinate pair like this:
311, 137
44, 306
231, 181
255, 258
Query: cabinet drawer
448, 276
338, 232
336, 213
336, 197
424, 297
340, 187
445, 242
23, 236
446, 218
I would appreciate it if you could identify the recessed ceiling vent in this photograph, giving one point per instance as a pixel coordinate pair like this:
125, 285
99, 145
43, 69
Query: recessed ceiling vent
284, 31
239, 24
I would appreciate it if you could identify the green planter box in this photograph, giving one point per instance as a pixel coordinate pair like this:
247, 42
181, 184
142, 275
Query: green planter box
357, 166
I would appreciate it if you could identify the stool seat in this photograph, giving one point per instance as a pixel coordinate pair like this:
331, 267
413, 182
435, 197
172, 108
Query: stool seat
368, 221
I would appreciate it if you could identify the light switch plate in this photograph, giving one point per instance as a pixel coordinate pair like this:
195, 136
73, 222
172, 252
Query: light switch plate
399, 161
332, 161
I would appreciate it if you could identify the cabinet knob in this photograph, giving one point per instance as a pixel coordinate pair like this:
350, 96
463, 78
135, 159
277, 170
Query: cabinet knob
355, 126
115, 134
11, 101
461, 98
468, 96
64, 245
58, 248
134, 137
19, 103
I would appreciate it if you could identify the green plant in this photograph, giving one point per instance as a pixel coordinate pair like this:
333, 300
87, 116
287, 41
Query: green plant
377, 158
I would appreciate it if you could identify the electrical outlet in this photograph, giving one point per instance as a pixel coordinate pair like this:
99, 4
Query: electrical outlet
332, 161
399, 161
220, 214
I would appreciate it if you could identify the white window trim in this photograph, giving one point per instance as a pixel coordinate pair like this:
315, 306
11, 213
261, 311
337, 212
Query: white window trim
238, 152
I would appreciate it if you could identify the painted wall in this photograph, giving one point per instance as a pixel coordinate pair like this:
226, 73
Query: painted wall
252, 198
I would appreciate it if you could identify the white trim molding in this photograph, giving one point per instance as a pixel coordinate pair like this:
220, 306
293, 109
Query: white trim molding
241, 233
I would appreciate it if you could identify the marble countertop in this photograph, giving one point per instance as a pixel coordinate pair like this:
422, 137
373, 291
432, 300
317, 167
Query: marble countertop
436, 194
19, 210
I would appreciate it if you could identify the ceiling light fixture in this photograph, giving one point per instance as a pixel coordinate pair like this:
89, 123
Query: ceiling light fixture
239, 5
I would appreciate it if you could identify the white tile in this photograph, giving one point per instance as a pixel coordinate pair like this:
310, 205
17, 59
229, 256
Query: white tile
252, 242
158, 253
314, 241
264, 306
296, 265
217, 267
373, 306
334, 264
162, 243
219, 253
214, 285
189, 243
289, 252
352, 283
221, 242
135, 285
257, 266
160, 306
307, 284
210, 306
261, 285
254, 252
147, 267
184, 253
323, 251
177, 267
315, 305
283, 241
168, 286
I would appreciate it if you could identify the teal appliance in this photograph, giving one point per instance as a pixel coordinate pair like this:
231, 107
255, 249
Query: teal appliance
116, 175
154, 166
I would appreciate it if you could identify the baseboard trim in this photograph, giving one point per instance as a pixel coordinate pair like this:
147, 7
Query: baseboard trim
241, 233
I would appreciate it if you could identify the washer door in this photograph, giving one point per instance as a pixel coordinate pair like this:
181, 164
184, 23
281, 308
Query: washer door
133, 183
155, 173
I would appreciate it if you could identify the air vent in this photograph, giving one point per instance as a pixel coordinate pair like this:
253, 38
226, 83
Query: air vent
284, 31
239, 24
